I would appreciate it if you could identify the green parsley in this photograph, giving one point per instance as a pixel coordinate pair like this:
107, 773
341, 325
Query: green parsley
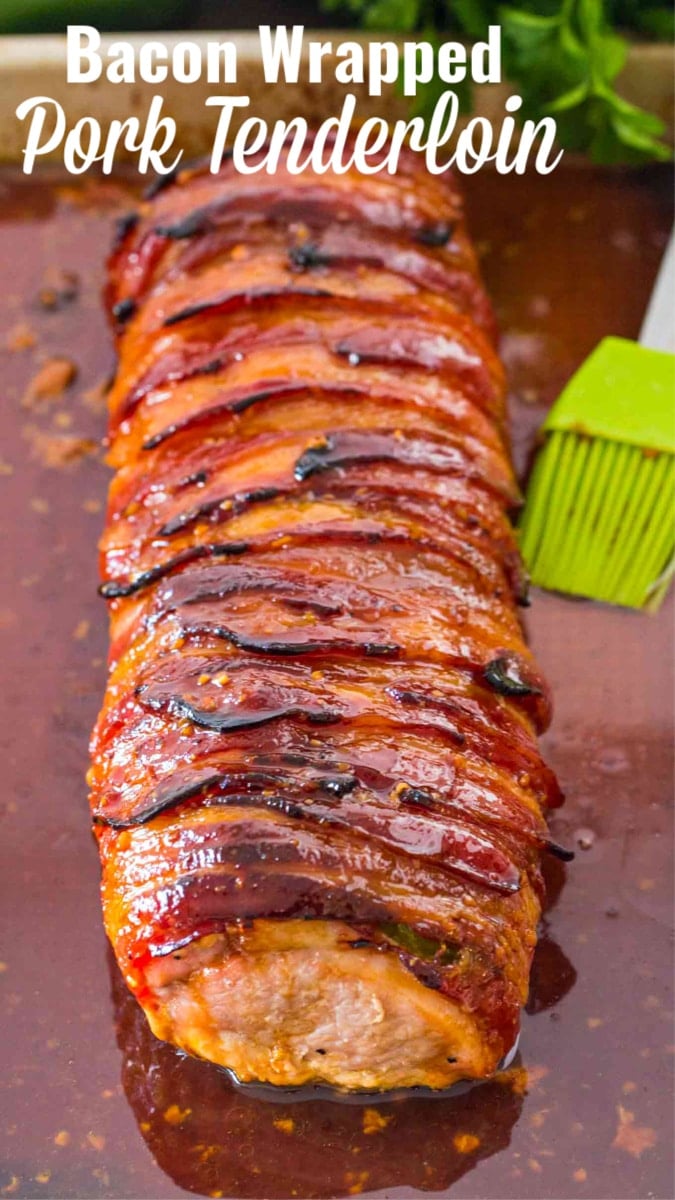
563, 55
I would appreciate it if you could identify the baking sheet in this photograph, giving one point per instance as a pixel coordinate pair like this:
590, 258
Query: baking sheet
91, 1105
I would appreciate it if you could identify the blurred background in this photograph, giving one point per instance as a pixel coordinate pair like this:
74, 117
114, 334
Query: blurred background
51, 16
647, 18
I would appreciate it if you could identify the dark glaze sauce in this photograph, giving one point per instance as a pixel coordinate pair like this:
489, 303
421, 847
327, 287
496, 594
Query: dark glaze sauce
586, 1109
342, 449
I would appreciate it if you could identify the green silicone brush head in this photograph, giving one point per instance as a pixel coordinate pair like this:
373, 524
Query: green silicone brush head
599, 518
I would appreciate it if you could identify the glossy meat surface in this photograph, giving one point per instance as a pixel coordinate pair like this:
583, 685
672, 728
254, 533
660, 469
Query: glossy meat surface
315, 783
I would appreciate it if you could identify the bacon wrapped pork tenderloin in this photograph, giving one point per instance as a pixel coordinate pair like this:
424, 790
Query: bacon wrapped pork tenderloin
316, 786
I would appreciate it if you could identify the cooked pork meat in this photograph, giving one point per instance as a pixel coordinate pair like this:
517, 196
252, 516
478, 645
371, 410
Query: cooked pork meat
315, 783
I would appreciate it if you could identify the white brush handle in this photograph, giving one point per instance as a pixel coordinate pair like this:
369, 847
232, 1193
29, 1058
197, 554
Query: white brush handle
658, 327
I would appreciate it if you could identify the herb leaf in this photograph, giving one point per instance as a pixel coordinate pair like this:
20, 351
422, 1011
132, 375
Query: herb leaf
563, 55
566, 65
414, 943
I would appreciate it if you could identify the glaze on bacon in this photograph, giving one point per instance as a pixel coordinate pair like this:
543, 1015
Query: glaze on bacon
315, 783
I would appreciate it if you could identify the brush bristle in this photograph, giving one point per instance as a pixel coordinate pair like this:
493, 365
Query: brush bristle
599, 520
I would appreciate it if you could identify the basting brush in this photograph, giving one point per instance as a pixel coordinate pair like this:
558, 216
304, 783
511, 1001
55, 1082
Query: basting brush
599, 518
